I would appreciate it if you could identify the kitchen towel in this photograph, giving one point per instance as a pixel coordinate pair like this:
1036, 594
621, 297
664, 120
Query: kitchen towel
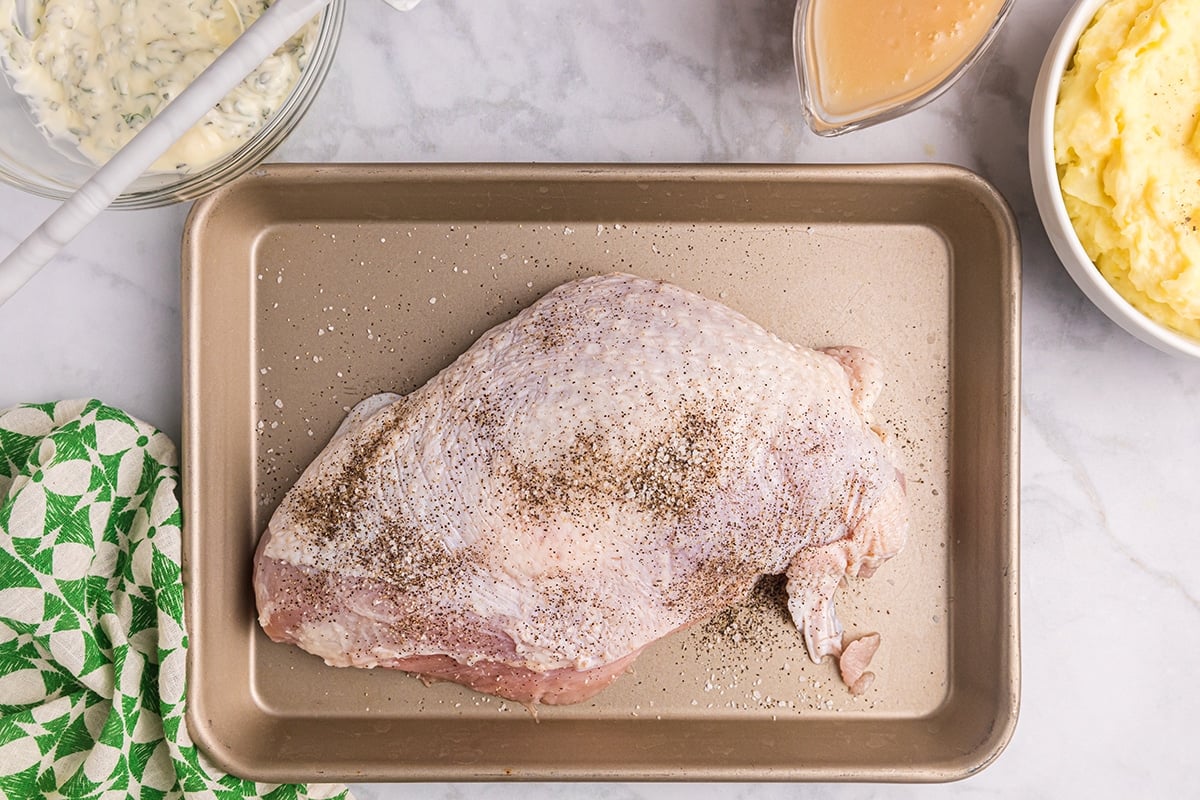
92, 639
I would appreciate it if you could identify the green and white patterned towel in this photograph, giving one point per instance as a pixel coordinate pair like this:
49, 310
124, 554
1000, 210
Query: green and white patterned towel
92, 642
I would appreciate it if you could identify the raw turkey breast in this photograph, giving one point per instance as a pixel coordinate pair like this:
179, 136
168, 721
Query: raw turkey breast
622, 459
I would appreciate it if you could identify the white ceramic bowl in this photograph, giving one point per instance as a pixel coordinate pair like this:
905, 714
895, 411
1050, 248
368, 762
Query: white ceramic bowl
1044, 173
29, 162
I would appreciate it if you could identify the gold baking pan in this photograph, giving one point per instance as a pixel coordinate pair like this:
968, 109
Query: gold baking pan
308, 288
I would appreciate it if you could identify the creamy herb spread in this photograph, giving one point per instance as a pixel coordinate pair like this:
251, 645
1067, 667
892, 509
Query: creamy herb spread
95, 71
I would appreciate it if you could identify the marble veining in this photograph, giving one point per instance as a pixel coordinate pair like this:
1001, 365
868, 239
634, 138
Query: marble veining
1110, 562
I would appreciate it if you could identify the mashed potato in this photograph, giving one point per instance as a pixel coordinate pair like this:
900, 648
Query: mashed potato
1127, 143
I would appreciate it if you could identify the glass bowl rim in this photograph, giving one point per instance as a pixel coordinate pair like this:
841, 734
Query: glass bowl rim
249, 154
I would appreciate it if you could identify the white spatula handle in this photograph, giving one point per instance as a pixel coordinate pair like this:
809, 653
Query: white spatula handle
259, 41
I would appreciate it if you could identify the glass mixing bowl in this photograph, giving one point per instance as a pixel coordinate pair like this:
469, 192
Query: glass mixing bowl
29, 161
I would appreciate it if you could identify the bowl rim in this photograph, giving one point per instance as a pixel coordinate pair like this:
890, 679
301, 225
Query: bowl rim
1051, 207
244, 157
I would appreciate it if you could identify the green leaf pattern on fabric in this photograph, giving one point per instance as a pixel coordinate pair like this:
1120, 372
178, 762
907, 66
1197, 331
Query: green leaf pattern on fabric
92, 639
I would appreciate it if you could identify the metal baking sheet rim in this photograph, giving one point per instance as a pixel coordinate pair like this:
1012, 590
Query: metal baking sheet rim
215, 709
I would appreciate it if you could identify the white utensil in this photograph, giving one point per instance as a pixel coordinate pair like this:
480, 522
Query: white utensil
260, 40
25, 18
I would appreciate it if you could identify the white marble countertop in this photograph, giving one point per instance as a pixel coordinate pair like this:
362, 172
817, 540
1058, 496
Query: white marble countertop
1110, 571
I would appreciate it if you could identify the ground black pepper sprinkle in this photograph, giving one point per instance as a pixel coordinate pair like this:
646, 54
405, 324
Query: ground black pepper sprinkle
612, 464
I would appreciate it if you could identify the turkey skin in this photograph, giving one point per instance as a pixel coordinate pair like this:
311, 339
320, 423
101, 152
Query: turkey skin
622, 459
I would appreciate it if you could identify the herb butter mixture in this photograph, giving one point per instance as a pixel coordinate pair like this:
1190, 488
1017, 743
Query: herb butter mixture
95, 71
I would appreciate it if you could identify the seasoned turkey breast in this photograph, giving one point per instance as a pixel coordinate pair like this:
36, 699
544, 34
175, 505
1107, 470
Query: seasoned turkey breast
622, 459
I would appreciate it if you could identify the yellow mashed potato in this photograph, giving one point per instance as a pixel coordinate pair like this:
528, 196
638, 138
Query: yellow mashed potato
1127, 143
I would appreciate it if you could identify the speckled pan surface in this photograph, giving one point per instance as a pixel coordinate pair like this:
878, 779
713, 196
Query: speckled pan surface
308, 288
